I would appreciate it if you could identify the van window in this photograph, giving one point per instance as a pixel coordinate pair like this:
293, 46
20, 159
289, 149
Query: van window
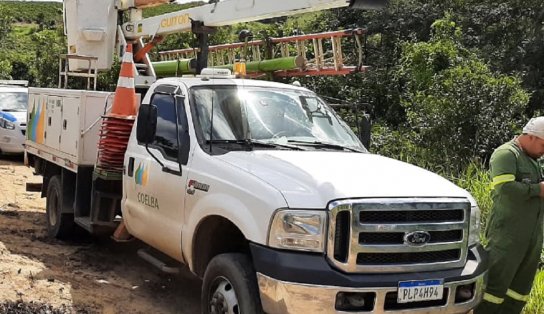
13, 101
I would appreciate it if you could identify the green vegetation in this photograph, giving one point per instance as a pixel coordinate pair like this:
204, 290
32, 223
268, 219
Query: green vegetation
450, 80
536, 302
46, 13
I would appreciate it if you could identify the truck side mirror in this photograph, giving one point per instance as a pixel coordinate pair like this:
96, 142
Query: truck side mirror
364, 128
147, 124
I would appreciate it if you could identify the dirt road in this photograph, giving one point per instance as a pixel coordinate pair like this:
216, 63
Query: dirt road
38, 274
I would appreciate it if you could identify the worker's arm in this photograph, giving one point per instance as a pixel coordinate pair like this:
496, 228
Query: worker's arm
503, 176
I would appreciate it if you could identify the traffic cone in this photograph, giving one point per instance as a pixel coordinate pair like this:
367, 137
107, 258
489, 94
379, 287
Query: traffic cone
124, 102
117, 125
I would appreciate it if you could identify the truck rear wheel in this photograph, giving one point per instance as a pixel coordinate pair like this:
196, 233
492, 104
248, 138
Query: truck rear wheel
59, 224
230, 286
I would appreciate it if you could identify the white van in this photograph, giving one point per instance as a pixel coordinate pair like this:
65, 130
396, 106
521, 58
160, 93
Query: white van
13, 112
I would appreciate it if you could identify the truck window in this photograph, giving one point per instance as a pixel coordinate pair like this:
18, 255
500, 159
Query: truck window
166, 138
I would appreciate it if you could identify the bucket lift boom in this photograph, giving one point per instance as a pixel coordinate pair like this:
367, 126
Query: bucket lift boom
94, 32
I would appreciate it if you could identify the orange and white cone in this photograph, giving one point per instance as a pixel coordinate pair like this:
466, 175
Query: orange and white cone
117, 125
124, 102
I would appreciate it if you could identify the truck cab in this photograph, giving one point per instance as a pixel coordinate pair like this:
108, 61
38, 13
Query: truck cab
265, 193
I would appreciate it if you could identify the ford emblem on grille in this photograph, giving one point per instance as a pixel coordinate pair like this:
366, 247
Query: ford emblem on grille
416, 238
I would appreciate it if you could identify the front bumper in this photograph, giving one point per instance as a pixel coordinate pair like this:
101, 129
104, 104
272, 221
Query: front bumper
292, 282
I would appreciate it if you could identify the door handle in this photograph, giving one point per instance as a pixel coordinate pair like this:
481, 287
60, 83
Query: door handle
131, 166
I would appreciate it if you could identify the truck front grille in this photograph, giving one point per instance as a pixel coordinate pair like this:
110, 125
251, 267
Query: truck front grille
407, 258
398, 237
377, 235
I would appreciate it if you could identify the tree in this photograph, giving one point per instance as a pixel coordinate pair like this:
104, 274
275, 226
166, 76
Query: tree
457, 106
5, 70
5, 24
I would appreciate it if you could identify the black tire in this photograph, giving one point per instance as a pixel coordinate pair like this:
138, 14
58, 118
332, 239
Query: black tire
59, 225
227, 275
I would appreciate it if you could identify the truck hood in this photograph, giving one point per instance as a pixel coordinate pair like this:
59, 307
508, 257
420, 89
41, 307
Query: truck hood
311, 179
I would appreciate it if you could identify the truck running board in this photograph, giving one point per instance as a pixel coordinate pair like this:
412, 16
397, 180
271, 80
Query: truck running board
161, 265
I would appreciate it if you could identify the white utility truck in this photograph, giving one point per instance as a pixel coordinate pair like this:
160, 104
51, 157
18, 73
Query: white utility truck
259, 187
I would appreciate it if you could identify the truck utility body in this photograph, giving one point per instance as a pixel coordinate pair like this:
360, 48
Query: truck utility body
261, 187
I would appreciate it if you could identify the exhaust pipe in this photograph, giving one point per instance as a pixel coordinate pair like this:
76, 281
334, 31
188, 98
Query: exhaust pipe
368, 4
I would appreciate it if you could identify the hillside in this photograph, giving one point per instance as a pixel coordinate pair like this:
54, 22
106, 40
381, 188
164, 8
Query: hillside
32, 12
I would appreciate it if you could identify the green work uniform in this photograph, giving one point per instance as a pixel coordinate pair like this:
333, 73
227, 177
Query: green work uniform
514, 230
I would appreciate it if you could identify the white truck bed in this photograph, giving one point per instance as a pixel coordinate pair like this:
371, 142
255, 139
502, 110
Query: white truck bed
64, 125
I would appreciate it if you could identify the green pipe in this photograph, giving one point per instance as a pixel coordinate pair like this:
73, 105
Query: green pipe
173, 67
278, 64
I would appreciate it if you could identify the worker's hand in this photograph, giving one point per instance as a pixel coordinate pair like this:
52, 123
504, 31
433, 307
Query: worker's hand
541, 189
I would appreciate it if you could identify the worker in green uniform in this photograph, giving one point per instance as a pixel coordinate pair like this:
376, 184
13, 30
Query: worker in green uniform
515, 225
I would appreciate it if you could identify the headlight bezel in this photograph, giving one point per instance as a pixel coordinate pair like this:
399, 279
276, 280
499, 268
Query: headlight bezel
5, 124
298, 220
474, 225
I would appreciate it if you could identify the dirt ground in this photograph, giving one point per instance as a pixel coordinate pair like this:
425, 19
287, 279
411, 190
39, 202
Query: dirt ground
43, 275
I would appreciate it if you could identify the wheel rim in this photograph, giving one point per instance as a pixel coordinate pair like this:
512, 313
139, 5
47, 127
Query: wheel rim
53, 205
223, 297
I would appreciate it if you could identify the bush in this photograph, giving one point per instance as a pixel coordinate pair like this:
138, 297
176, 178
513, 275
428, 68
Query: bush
456, 105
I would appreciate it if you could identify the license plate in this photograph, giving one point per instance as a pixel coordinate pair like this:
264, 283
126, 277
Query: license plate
423, 290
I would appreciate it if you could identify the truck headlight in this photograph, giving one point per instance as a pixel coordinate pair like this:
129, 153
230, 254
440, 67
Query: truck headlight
474, 230
302, 230
6, 124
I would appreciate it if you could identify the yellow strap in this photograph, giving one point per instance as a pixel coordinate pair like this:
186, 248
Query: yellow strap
493, 299
516, 296
503, 178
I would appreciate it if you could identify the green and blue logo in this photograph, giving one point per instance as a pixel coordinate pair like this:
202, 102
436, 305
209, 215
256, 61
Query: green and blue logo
141, 176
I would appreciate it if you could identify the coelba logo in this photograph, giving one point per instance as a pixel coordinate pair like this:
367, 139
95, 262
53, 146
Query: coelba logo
36, 125
141, 175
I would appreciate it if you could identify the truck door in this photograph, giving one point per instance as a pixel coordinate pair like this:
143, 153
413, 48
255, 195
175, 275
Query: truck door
155, 179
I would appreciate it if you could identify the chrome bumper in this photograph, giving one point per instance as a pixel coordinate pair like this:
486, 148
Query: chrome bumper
287, 297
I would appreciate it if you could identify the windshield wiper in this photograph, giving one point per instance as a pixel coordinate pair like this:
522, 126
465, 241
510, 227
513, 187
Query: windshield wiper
12, 110
273, 144
251, 143
324, 145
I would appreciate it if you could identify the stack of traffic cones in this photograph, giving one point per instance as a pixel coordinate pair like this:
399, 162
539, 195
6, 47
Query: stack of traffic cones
117, 125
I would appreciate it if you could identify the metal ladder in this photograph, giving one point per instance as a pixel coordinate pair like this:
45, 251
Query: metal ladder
323, 52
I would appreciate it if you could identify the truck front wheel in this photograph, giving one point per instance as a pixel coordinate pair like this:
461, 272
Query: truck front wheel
230, 286
59, 225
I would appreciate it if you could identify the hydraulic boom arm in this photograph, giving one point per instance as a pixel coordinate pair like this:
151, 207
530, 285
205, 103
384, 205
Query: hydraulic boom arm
94, 32
229, 12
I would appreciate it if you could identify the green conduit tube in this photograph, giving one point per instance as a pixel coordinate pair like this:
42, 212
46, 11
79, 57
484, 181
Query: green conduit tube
174, 67
278, 64
188, 66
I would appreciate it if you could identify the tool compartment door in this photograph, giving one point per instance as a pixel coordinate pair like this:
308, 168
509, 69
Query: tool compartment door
53, 122
69, 138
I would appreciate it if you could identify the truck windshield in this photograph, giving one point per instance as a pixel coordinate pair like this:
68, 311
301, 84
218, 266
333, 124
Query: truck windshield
13, 101
286, 117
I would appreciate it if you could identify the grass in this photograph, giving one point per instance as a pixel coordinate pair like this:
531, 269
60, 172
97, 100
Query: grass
536, 302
